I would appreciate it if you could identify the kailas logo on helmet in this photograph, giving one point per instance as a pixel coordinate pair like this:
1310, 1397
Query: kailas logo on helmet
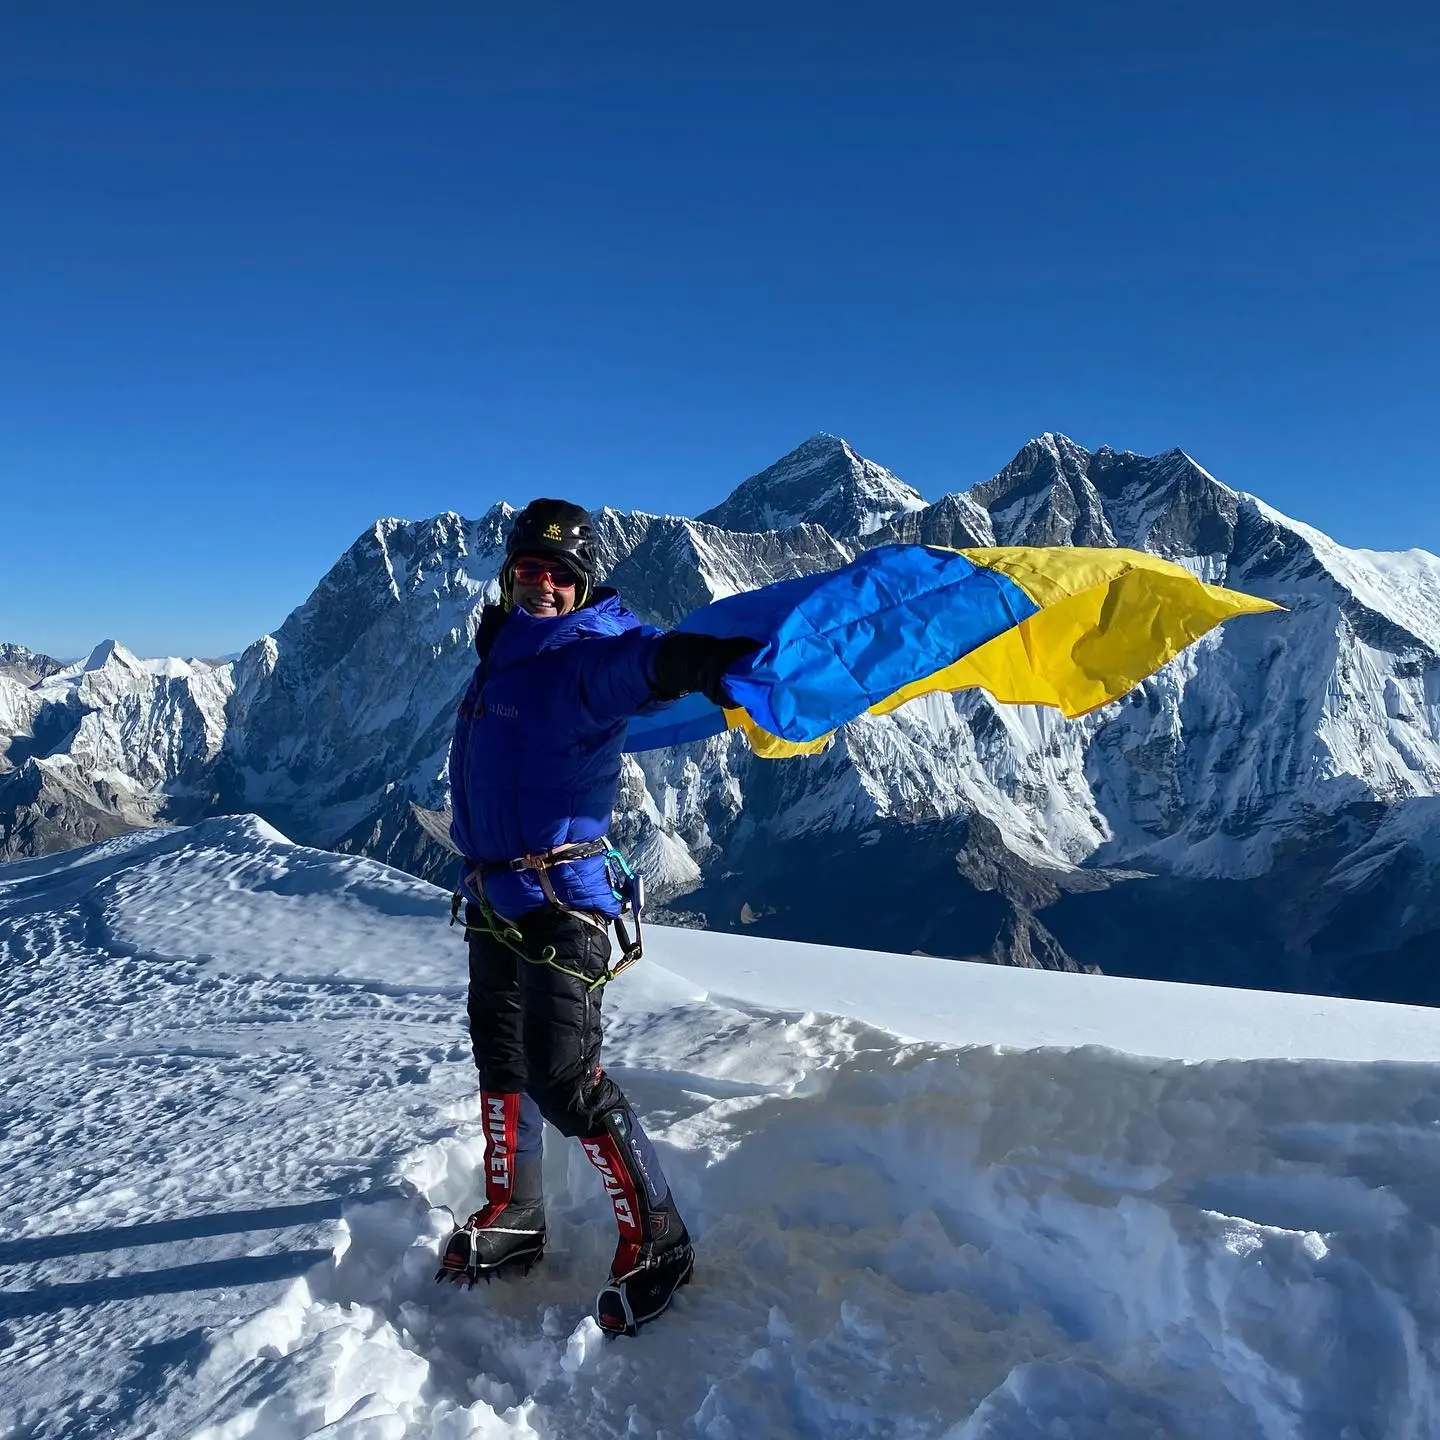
554, 532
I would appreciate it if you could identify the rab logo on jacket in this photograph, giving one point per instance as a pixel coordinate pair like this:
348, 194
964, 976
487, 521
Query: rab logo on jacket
613, 1188
496, 1129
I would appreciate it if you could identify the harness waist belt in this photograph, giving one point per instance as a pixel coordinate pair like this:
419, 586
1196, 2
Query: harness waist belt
545, 859
630, 888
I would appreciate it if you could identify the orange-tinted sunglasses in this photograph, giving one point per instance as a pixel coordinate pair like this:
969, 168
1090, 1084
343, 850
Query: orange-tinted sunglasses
532, 572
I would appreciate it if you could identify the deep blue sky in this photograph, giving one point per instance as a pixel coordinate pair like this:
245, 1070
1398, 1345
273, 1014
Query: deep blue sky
269, 272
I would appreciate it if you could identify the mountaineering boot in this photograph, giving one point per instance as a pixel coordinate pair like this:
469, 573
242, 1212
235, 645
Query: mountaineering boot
654, 1257
494, 1239
646, 1289
509, 1229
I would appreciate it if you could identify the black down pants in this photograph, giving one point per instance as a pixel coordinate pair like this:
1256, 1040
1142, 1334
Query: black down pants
535, 1029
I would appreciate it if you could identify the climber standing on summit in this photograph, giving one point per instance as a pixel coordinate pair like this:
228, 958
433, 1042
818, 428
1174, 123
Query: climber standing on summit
534, 767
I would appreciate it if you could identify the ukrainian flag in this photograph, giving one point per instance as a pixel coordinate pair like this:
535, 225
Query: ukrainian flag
1064, 626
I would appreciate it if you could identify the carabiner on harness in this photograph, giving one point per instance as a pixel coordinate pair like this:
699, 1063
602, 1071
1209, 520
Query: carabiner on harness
626, 884
629, 890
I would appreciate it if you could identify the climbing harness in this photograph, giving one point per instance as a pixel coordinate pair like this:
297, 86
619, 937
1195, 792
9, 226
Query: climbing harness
626, 885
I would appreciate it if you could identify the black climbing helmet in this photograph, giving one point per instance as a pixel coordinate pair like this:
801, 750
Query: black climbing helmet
553, 528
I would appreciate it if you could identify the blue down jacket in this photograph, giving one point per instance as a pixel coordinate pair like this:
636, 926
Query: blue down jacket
536, 756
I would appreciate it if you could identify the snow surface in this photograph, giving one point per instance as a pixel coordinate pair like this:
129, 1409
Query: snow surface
929, 1198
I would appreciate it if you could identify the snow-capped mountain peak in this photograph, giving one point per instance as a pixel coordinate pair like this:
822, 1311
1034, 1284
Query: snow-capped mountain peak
109, 652
822, 482
1044, 497
1055, 492
26, 666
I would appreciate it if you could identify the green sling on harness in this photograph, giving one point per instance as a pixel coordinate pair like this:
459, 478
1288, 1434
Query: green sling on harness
629, 889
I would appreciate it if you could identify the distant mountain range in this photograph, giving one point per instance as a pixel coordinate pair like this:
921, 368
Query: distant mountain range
26, 666
1265, 811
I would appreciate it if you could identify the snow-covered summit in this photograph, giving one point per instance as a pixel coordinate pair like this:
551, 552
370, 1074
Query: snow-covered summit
1055, 492
822, 482
108, 651
929, 1199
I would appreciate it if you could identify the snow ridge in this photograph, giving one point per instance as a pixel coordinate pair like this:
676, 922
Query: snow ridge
901, 1230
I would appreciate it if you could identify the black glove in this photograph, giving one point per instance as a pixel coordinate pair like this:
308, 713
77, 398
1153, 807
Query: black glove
686, 662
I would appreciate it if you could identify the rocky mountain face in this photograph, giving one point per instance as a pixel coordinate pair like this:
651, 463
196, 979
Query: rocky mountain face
26, 666
1261, 812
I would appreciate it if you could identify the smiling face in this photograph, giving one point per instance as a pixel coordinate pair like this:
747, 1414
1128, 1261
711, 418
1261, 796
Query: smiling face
543, 586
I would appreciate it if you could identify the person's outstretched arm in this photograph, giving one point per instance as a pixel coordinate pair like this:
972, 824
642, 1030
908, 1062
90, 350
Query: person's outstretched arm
621, 675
